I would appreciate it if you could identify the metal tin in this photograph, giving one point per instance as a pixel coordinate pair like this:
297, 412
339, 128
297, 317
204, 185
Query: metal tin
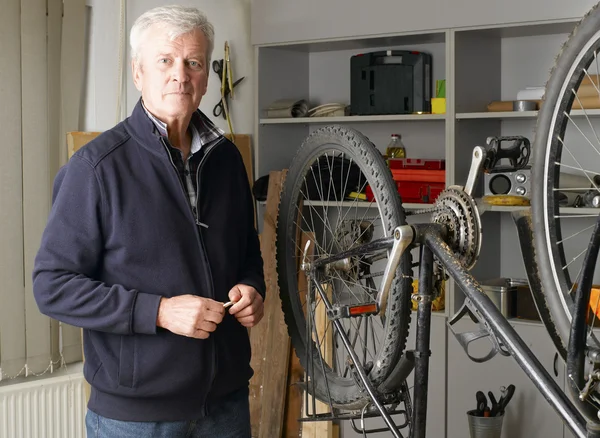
524, 105
485, 427
502, 291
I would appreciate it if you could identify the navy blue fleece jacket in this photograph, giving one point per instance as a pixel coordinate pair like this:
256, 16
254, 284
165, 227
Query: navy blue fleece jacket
121, 235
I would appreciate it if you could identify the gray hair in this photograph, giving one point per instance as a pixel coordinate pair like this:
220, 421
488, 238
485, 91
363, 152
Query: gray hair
178, 20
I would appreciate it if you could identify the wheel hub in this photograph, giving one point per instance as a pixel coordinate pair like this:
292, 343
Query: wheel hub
350, 233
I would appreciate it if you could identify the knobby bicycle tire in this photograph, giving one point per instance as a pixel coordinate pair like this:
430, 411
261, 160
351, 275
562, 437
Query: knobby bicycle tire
566, 75
344, 392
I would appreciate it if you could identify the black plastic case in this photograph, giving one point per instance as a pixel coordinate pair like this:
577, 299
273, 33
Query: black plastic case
390, 82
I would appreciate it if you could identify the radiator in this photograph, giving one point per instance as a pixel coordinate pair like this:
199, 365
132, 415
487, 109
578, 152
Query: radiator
45, 408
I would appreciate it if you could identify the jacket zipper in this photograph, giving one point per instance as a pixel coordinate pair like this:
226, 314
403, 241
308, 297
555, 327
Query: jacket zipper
197, 216
200, 242
202, 160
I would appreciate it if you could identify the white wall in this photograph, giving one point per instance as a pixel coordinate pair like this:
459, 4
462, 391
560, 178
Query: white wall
231, 19
276, 21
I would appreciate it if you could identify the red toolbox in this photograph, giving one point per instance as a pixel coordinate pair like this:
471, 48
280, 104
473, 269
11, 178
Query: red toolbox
416, 163
416, 186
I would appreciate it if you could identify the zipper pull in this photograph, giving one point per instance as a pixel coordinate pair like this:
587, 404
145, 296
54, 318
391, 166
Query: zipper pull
201, 224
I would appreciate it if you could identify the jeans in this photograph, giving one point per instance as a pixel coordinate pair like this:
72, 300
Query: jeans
229, 419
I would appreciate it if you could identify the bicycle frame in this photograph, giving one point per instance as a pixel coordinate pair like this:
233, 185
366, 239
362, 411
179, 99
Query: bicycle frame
431, 239
507, 335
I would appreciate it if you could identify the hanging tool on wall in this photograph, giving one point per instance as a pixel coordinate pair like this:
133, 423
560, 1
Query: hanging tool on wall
223, 69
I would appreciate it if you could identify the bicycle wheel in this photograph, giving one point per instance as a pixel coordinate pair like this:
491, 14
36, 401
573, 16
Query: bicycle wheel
331, 163
566, 167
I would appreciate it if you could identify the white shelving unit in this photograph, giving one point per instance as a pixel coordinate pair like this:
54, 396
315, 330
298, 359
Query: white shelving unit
575, 212
520, 114
571, 211
319, 73
497, 115
356, 119
480, 65
363, 204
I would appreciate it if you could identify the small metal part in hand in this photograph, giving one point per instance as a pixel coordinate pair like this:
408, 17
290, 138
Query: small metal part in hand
228, 304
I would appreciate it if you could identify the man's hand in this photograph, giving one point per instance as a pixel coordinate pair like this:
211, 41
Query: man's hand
248, 307
190, 315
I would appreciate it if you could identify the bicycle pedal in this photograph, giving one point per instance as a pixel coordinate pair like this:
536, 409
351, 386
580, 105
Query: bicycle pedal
364, 309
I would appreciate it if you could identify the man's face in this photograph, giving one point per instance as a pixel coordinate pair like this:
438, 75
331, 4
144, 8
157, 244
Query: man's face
171, 75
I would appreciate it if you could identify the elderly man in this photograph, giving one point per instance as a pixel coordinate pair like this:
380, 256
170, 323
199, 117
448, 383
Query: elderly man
151, 233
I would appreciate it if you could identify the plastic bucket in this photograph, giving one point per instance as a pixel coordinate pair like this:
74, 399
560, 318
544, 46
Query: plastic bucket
484, 427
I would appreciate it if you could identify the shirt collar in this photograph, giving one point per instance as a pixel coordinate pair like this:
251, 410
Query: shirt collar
160, 125
210, 132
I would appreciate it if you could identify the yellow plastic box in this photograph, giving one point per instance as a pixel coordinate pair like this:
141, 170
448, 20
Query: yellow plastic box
438, 105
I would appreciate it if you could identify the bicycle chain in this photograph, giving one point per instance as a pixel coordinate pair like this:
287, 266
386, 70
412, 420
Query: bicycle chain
428, 210
433, 209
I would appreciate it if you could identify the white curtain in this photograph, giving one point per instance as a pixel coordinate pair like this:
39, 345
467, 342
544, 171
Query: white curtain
42, 53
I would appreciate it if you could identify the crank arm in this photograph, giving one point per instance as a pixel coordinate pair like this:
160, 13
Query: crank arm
403, 238
477, 160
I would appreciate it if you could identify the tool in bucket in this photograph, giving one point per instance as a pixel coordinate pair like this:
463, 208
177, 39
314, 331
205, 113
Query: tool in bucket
482, 406
507, 394
496, 407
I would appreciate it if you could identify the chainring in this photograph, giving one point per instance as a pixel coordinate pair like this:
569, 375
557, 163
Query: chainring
458, 211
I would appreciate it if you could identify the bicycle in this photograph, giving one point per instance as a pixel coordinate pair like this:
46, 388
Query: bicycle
346, 263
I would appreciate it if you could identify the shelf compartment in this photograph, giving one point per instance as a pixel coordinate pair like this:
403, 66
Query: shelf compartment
490, 64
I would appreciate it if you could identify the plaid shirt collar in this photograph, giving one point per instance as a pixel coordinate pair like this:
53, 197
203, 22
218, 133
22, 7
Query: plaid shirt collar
204, 131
